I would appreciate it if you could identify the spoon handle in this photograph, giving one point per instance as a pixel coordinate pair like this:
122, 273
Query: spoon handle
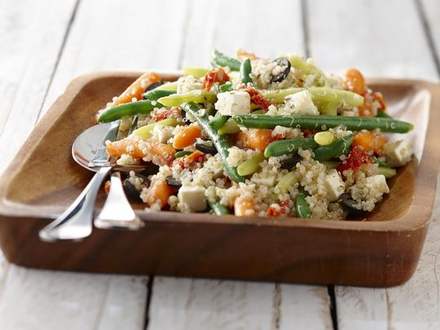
117, 211
76, 222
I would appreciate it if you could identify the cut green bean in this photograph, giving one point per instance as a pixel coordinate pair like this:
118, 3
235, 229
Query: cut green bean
146, 131
218, 121
245, 71
284, 147
220, 142
251, 165
230, 127
169, 86
324, 122
220, 59
383, 114
388, 172
328, 100
286, 182
302, 207
333, 150
128, 109
182, 153
226, 87
156, 94
219, 209
196, 96
195, 72
307, 68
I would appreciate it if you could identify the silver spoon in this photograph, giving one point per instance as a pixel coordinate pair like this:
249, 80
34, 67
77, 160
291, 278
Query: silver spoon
88, 150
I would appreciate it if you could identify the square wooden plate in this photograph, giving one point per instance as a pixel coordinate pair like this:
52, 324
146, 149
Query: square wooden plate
382, 250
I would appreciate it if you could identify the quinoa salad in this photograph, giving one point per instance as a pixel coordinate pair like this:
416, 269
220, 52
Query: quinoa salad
255, 136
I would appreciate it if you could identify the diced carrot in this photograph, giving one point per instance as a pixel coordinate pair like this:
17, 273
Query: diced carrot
159, 192
193, 157
243, 54
187, 136
244, 206
255, 138
370, 141
355, 81
163, 152
126, 146
137, 88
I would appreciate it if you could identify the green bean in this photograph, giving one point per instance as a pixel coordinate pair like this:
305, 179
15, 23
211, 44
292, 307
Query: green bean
195, 72
128, 109
286, 181
226, 87
383, 114
328, 100
156, 94
334, 150
307, 68
277, 96
218, 121
388, 172
302, 207
146, 131
182, 153
320, 122
196, 96
245, 71
220, 142
169, 86
219, 209
220, 59
230, 127
251, 165
283, 147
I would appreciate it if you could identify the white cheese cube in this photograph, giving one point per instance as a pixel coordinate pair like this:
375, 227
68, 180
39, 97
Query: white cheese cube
193, 198
233, 103
377, 184
334, 185
398, 153
301, 104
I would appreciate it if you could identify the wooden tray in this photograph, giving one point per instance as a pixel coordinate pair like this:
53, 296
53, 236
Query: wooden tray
381, 251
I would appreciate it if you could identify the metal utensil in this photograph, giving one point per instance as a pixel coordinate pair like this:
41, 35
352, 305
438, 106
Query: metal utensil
88, 150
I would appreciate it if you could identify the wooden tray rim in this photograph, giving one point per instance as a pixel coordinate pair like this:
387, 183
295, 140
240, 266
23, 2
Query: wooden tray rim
417, 216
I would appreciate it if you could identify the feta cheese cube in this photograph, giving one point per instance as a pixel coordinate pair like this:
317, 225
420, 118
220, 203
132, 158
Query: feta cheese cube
192, 198
233, 103
377, 184
398, 153
334, 185
301, 104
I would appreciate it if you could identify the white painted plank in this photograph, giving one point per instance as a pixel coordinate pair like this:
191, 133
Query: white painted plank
179, 304
304, 307
121, 36
431, 8
373, 37
34, 299
135, 35
256, 26
204, 304
381, 38
28, 53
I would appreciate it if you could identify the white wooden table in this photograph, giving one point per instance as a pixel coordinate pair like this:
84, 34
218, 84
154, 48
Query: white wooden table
45, 43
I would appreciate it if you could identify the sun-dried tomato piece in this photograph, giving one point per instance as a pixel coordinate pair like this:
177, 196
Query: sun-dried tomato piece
164, 113
257, 98
355, 159
276, 210
217, 75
